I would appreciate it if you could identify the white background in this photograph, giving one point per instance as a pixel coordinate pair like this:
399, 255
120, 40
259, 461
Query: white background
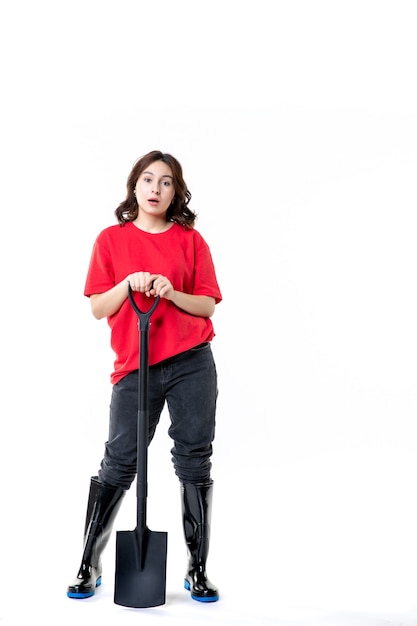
296, 125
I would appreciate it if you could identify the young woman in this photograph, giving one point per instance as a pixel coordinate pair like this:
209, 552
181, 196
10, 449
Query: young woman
156, 249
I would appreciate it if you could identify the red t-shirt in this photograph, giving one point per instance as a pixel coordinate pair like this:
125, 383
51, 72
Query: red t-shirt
180, 254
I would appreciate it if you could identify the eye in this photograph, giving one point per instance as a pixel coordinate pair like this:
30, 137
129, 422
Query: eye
167, 183
146, 179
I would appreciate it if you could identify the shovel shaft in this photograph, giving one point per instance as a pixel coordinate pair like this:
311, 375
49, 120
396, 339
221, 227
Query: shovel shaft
142, 468
143, 410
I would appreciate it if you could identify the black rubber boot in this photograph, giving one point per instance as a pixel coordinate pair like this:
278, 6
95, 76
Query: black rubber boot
103, 504
196, 501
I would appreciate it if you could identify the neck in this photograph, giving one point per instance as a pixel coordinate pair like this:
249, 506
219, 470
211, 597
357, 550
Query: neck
153, 226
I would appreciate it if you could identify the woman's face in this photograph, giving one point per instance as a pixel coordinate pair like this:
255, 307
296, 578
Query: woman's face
155, 189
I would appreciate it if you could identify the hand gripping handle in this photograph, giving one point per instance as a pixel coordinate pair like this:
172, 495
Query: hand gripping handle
144, 316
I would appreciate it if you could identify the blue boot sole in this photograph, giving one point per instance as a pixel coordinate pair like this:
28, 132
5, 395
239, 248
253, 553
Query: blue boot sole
200, 598
87, 594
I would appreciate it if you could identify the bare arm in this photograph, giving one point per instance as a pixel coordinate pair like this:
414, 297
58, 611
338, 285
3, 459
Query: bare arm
201, 306
109, 302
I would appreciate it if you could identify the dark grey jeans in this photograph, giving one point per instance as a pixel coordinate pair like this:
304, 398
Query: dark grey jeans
188, 384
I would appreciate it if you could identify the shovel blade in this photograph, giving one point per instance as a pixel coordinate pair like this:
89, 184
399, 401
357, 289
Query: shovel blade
140, 575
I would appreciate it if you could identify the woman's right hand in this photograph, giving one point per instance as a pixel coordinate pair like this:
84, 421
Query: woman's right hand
142, 282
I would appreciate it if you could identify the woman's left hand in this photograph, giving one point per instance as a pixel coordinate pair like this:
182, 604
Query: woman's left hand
161, 286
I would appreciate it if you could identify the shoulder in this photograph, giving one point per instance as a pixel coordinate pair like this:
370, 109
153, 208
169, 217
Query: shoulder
188, 234
114, 232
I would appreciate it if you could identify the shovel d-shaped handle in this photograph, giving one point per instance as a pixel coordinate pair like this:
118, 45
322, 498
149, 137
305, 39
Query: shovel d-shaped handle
144, 316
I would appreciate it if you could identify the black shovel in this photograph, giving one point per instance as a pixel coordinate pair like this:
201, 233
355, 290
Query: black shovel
141, 554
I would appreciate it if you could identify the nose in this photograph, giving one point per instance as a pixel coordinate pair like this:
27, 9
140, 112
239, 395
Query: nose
156, 190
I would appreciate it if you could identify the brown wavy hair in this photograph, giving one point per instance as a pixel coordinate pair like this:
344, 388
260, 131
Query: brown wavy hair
178, 211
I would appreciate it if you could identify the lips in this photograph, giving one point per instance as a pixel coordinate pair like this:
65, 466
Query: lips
153, 201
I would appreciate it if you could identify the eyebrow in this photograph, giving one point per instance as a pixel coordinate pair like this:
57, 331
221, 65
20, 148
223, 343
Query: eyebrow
164, 176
